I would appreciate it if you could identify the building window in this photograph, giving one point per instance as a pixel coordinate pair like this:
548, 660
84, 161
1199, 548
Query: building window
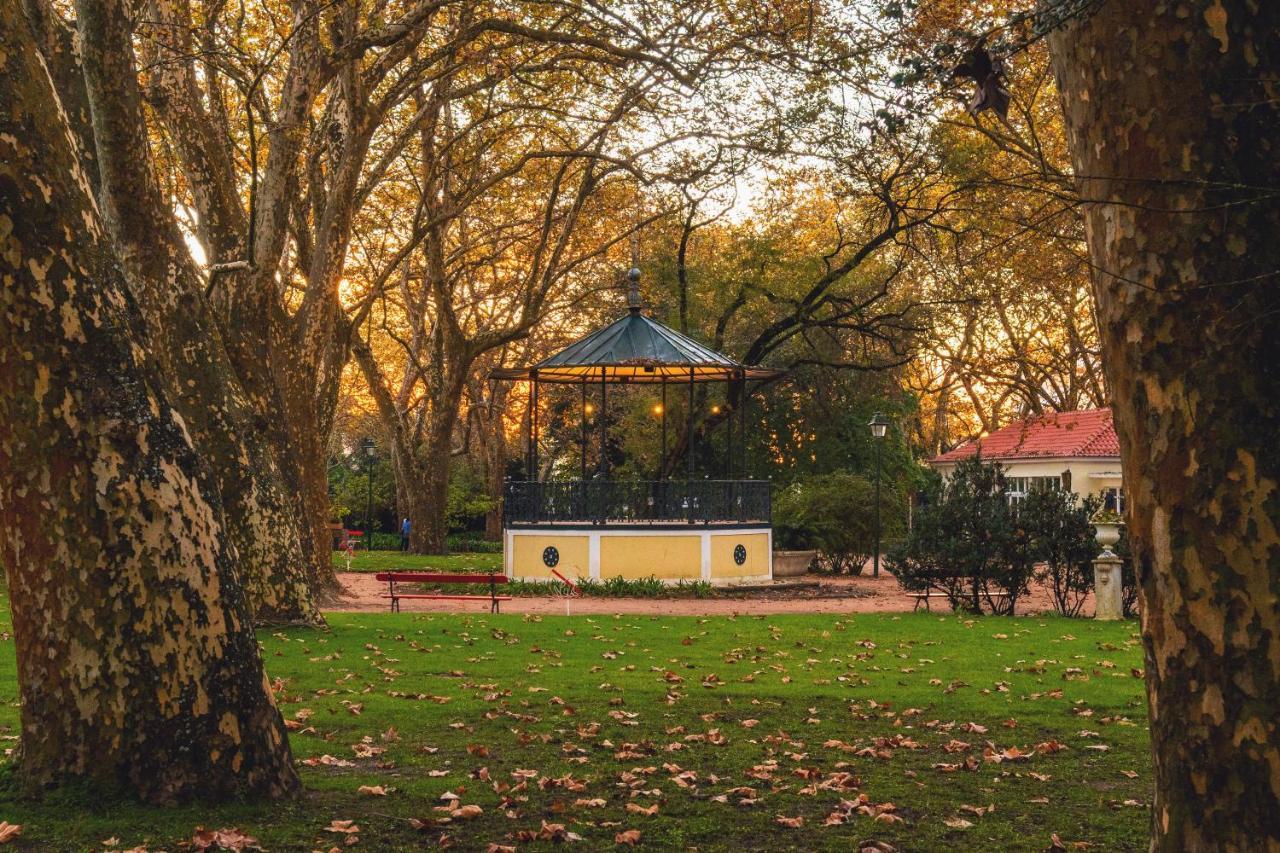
1017, 488
1113, 499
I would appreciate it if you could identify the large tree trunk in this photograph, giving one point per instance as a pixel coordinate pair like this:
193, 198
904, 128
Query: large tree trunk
435, 487
1172, 114
137, 662
182, 332
302, 441
491, 448
422, 486
494, 449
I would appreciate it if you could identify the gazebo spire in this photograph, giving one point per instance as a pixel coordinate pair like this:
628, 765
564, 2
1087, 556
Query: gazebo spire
633, 290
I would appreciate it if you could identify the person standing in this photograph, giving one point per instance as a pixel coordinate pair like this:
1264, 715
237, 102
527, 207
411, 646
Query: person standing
404, 535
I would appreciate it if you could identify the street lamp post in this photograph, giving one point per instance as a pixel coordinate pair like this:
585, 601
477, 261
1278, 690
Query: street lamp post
370, 453
879, 424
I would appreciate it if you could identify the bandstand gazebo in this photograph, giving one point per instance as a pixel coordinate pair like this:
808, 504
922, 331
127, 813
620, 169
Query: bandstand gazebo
690, 528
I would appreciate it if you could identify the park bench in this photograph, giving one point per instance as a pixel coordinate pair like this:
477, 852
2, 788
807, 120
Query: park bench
393, 578
935, 582
927, 595
924, 597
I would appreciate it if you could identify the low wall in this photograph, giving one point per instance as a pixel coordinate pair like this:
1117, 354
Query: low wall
718, 555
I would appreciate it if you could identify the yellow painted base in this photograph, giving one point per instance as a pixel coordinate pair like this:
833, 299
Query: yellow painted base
758, 559
667, 557
525, 555
721, 557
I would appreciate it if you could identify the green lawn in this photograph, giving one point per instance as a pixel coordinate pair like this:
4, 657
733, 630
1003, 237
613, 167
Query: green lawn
382, 561
724, 725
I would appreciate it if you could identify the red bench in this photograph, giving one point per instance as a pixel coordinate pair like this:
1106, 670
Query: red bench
393, 578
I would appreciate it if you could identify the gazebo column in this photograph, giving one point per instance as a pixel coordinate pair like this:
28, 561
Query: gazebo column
602, 486
728, 456
533, 432
692, 451
662, 460
582, 414
528, 436
603, 467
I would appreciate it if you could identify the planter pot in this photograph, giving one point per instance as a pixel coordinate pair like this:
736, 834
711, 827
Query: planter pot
1108, 533
787, 564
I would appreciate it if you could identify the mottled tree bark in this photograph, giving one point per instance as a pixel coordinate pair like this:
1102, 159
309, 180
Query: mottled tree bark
137, 662
492, 440
287, 376
422, 479
1174, 122
182, 332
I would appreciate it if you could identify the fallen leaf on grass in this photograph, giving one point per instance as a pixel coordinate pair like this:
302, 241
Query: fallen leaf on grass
344, 827
793, 822
957, 822
636, 808
548, 832
221, 839
372, 790
873, 846
997, 756
629, 837
977, 811
469, 812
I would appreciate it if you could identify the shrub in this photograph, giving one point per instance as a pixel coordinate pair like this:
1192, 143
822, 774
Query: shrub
1063, 542
1128, 579
834, 514
967, 543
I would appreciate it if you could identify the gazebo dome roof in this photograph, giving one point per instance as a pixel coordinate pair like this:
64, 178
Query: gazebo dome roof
636, 348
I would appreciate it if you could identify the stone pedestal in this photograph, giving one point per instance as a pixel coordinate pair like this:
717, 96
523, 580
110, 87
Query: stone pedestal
1108, 592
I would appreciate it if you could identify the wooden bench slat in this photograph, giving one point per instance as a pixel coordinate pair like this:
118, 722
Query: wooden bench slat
488, 579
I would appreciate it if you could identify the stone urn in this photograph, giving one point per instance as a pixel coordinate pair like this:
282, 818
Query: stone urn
789, 564
1108, 533
1107, 582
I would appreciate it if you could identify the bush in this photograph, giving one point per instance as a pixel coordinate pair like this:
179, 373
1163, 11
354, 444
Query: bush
471, 543
834, 514
967, 543
1063, 542
1128, 579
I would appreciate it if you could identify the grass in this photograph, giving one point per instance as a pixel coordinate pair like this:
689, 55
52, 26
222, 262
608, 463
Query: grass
559, 711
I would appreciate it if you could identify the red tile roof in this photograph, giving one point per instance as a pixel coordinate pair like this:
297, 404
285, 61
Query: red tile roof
1089, 432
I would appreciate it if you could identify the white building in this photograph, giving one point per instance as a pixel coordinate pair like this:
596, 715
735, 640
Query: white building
1078, 451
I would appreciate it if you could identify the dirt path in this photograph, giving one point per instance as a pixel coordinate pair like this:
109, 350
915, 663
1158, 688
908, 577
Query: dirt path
833, 595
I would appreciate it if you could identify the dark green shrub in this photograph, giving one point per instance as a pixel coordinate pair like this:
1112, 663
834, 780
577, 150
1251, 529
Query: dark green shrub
1063, 542
966, 542
1128, 578
834, 514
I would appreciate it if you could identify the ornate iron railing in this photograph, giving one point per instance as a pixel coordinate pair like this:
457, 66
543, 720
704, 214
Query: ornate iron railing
637, 502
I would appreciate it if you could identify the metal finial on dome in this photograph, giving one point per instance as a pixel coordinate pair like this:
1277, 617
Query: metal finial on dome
633, 291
